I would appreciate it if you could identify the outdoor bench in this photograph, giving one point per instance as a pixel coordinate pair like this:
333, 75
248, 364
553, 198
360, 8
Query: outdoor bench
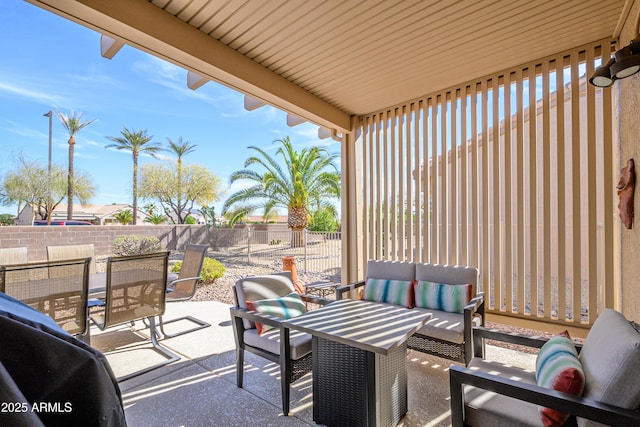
448, 292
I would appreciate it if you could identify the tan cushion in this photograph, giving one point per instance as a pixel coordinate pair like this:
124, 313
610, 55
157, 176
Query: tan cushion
611, 361
270, 341
485, 408
445, 326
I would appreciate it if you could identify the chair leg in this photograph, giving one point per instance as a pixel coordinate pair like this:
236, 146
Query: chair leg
171, 356
201, 325
239, 366
284, 383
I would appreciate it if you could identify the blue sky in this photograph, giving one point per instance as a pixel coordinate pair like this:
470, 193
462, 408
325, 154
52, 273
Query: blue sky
48, 62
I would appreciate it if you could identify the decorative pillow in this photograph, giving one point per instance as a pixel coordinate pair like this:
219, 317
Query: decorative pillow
558, 368
286, 307
442, 296
399, 292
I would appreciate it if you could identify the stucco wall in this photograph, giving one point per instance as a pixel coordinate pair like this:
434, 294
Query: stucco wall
36, 239
628, 93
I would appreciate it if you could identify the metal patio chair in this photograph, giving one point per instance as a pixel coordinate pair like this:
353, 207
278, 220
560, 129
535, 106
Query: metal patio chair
17, 255
56, 288
136, 290
184, 287
62, 252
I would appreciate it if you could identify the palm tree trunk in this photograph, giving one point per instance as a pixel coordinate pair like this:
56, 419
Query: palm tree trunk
135, 188
72, 143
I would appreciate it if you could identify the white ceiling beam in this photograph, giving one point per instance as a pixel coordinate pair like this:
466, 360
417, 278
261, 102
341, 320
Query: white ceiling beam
251, 104
141, 24
109, 46
194, 80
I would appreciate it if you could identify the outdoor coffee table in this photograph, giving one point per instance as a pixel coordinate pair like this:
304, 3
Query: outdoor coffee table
359, 361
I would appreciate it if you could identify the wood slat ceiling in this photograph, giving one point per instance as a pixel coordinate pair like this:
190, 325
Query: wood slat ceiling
365, 55
362, 56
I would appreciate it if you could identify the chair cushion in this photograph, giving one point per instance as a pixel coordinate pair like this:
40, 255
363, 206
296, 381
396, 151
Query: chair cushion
445, 326
399, 292
270, 341
558, 368
610, 358
286, 307
485, 408
442, 296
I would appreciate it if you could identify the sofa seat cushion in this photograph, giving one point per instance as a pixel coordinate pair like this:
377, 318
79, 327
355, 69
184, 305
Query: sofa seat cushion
487, 408
270, 341
445, 326
610, 359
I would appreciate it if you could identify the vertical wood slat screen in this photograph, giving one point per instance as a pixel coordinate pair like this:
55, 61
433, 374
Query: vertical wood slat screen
512, 174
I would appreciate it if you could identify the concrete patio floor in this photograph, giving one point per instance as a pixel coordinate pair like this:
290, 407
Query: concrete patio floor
200, 389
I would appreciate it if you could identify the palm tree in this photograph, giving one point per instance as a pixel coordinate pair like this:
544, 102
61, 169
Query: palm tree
307, 175
73, 124
137, 142
180, 148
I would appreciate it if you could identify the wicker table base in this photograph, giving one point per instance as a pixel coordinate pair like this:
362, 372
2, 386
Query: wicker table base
355, 387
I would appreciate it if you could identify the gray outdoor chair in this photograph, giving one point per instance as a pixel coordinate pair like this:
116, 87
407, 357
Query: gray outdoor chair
184, 287
17, 255
291, 350
136, 290
62, 252
56, 288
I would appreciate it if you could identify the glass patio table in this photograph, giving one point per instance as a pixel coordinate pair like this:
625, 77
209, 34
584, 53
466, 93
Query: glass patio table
359, 361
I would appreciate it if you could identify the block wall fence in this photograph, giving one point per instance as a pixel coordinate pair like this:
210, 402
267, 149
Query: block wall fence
36, 239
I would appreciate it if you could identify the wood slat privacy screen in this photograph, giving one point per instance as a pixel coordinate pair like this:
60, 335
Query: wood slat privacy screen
471, 176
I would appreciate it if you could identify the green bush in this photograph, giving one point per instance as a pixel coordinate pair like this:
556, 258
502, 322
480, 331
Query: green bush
132, 244
211, 270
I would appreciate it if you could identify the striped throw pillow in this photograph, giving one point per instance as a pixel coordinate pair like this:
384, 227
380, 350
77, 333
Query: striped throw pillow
442, 296
399, 292
286, 307
558, 368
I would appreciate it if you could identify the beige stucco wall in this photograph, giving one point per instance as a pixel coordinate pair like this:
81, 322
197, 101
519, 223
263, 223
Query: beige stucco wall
627, 92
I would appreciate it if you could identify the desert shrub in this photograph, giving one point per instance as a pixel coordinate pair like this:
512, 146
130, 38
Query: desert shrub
211, 270
132, 244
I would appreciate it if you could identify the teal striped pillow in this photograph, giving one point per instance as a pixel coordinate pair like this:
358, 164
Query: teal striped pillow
558, 368
442, 296
286, 307
399, 292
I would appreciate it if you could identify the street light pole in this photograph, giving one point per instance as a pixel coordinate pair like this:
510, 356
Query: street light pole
49, 208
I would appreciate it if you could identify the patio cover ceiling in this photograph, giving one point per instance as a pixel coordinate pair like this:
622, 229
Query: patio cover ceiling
325, 61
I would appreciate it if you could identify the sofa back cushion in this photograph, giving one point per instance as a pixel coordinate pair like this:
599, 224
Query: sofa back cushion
610, 358
262, 287
449, 274
391, 270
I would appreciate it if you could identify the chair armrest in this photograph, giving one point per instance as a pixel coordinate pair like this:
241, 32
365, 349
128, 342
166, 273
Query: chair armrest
482, 333
173, 282
340, 290
254, 316
590, 409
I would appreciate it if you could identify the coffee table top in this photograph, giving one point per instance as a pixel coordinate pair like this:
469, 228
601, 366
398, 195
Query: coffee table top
368, 325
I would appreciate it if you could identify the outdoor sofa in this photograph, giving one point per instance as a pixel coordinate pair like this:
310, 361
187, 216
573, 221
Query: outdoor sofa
448, 292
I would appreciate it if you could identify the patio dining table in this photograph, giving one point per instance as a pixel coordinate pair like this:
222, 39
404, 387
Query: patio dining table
359, 361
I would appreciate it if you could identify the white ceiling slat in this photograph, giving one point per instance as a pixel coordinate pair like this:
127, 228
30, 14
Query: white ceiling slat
364, 55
